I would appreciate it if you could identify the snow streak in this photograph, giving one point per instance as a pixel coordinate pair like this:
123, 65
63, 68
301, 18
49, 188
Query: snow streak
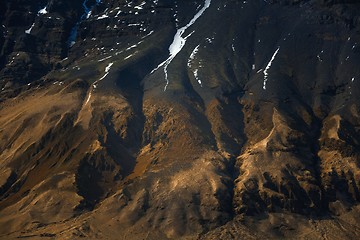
179, 42
191, 59
107, 69
28, 31
266, 74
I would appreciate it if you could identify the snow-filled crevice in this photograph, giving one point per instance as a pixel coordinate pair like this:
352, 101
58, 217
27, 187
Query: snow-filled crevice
179, 42
94, 85
107, 69
266, 74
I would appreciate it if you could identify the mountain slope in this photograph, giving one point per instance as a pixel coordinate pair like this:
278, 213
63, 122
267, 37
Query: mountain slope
167, 119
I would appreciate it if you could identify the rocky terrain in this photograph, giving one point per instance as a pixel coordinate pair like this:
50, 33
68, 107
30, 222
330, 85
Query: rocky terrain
180, 119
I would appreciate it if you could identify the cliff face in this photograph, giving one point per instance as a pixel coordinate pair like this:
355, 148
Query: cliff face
166, 119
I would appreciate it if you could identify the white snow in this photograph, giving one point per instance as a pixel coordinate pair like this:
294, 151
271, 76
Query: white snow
102, 17
43, 10
128, 56
191, 59
88, 15
28, 31
134, 24
103, 59
266, 74
135, 45
193, 54
117, 14
151, 32
319, 58
107, 69
209, 40
179, 42
196, 74
140, 6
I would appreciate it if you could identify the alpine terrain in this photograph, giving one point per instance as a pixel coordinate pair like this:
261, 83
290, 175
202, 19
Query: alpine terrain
179, 119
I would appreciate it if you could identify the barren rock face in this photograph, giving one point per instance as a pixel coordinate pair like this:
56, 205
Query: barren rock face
179, 119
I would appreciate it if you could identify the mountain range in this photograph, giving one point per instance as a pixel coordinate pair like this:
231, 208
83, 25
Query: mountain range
180, 119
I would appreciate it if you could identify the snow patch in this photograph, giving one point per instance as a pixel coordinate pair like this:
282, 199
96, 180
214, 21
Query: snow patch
193, 54
140, 6
129, 56
88, 14
43, 11
107, 69
319, 56
151, 32
28, 31
103, 59
196, 74
191, 59
210, 40
179, 42
266, 74
102, 17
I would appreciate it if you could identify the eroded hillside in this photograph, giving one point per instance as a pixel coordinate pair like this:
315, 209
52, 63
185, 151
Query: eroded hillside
179, 119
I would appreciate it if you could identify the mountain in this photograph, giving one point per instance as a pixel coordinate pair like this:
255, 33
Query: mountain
196, 119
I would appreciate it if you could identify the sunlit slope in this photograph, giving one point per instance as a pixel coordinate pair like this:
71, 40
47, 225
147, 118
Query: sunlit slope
179, 119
